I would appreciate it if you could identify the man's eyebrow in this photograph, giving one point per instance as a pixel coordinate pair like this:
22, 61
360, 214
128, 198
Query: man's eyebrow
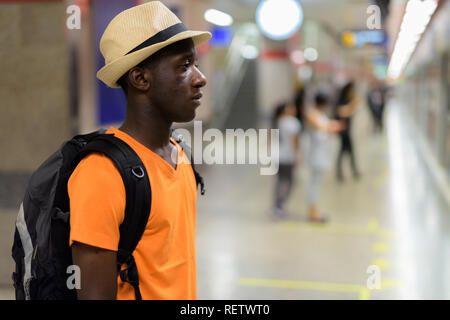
188, 55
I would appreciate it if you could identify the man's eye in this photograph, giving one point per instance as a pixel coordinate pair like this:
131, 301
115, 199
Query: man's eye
189, 63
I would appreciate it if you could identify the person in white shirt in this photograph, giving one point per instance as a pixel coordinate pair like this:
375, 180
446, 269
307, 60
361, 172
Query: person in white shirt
289, 145
320, 129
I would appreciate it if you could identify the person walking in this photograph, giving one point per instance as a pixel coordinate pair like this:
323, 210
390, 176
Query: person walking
151, 55
347, 105
376, 102
320, 130
289, 132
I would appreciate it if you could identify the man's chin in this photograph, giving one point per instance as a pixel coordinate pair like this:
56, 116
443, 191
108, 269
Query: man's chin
186, 118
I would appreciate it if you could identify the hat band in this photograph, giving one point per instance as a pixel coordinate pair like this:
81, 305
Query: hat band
161, 36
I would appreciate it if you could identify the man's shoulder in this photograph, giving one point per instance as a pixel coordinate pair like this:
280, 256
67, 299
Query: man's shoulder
95, 166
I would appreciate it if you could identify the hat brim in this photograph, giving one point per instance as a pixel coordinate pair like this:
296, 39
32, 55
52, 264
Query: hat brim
112, 71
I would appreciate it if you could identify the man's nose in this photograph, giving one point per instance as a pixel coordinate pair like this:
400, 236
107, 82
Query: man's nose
199, 79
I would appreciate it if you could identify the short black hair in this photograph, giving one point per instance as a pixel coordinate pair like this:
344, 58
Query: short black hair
122, 82
321, 99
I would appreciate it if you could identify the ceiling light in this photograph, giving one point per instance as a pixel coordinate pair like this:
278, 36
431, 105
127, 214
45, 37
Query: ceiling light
279, 19
415, 20
297, 57
218, 17
310, 54
249, 52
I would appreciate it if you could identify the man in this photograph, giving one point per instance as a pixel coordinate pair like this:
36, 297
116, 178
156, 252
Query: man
151, 55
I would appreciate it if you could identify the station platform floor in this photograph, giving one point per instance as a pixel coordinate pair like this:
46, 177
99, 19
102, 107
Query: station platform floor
393, 218
389, 228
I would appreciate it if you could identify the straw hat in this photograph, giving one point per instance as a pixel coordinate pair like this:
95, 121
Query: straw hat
135, 34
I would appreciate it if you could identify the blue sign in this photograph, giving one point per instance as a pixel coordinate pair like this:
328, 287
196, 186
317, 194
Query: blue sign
221, 36
111, 102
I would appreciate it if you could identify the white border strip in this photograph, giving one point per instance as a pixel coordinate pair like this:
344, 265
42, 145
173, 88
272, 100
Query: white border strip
26, 243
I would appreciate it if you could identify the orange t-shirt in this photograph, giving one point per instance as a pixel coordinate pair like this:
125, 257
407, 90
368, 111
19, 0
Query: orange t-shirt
165, 255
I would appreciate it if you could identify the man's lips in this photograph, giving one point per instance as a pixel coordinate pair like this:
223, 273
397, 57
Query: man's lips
196, 98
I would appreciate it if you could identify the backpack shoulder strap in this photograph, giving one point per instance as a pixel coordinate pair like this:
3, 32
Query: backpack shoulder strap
138, 199
187, 150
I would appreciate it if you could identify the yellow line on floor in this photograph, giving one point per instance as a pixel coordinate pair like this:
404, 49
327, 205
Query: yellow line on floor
373, 225
371, 229
390, 283
382, 263
381, 247
308, 285
363, 291
364, 294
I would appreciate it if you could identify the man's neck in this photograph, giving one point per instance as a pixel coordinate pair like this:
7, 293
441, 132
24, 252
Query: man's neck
148, 126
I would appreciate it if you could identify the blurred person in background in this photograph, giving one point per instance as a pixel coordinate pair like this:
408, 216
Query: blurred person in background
285, 119
320, 130
376, 102
299, 101
346, 107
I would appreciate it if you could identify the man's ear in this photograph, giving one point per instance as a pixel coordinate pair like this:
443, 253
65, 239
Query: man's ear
140, 78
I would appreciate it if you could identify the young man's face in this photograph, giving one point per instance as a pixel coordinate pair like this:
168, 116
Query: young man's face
177, 81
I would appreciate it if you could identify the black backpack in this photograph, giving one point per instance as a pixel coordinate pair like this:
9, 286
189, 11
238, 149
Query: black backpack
41, 240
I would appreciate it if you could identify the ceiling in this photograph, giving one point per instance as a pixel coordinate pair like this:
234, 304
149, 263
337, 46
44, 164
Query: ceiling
335, 14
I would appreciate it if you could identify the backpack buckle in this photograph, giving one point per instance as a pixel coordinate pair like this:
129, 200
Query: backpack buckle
138, 172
